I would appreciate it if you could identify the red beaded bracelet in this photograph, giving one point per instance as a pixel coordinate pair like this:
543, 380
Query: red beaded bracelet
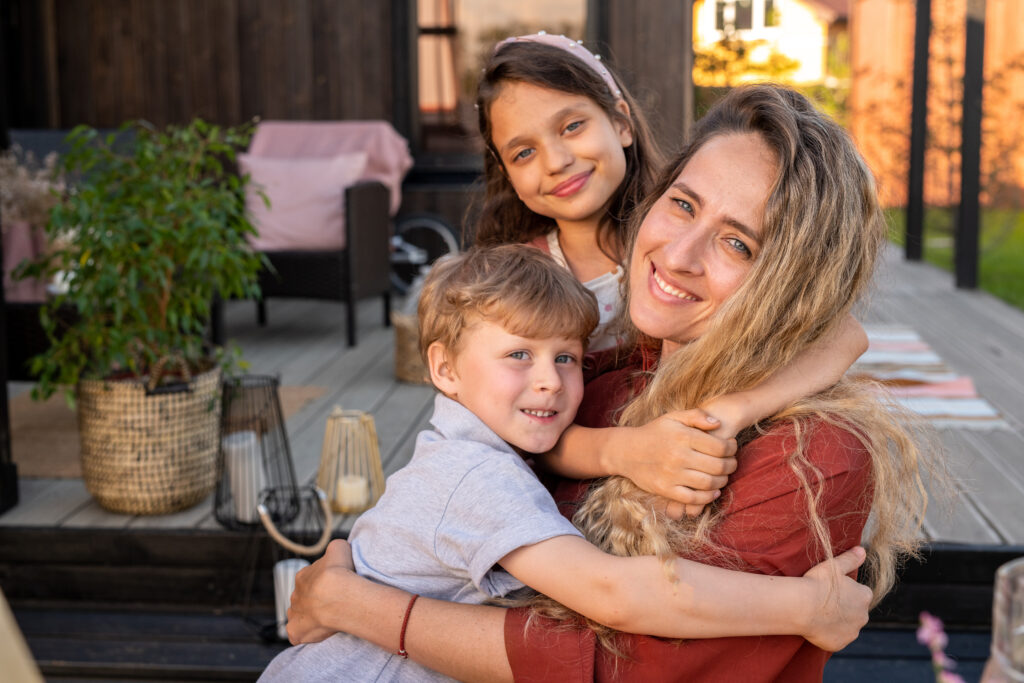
405, 623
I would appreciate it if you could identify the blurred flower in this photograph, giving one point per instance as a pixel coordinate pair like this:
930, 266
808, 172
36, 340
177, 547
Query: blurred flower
932, 634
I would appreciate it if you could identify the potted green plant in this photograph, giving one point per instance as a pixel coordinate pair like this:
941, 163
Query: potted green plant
153, 228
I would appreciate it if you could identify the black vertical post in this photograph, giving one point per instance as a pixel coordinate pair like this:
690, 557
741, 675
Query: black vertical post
8, 470
965, 245
914, 236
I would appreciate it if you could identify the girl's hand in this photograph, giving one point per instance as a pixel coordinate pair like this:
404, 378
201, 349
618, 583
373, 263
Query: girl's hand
676, 458
842, 607
320, 589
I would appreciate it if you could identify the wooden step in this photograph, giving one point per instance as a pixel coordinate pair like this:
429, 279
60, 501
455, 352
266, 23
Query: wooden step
74, 643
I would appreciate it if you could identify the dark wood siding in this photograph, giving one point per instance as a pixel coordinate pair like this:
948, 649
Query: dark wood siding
169, 60
650, 45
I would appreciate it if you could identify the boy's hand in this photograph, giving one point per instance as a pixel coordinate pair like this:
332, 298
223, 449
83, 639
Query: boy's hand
841, 609
676, 458
319, 588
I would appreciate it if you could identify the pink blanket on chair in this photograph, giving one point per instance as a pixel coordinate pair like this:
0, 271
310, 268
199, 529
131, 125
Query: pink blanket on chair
387, 152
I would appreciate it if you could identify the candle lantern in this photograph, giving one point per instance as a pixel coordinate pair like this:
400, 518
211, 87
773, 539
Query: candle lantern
350, 470
254, 455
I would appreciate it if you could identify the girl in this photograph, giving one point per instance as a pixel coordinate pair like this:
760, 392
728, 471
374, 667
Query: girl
569, 155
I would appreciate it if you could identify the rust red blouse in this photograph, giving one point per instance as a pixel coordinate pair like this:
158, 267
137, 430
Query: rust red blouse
765, 524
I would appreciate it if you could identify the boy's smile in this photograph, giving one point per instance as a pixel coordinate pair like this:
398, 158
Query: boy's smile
525, 390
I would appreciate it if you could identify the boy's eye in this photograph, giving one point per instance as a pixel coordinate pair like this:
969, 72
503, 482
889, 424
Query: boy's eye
519, 355
565, 358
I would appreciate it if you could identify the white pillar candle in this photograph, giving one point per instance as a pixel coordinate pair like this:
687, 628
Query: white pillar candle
243, 462
352, 492
284, 584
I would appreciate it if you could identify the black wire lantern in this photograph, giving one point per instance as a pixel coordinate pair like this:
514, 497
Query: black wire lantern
254, 455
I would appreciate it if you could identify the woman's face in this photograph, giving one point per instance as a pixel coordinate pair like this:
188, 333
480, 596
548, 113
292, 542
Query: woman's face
699, 241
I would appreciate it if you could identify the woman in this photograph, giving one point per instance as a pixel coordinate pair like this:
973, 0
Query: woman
757, 241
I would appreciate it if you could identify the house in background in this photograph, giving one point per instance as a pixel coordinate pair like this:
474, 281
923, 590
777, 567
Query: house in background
801, 37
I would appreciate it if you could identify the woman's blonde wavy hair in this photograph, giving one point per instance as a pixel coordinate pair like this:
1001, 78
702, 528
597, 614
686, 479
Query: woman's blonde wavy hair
822, 232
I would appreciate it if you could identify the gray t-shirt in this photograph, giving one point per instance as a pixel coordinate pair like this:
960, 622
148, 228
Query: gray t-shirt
464, 501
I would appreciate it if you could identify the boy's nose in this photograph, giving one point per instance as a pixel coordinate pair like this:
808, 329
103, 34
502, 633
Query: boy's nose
546, 377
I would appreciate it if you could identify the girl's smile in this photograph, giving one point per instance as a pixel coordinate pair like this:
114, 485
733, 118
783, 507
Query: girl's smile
562, 154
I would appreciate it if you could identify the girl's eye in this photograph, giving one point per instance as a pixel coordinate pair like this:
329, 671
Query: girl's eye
523, 154
573, 126
740, 247
684, 205
518, 355
565, 358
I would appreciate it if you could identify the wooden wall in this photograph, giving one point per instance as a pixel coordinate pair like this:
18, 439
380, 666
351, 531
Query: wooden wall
103, 62
651, 45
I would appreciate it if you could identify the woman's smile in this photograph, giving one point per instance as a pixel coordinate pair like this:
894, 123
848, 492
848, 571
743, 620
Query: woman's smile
699, 240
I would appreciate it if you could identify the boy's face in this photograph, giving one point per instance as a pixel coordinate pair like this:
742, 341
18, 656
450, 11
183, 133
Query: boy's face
526, 390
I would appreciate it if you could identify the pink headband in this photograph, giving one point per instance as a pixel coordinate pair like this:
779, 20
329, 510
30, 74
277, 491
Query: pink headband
571, 46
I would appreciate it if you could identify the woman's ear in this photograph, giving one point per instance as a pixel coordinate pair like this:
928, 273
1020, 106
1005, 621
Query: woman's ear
442, 371
624, 125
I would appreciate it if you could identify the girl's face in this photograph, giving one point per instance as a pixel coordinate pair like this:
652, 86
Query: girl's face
699, 241
563, 155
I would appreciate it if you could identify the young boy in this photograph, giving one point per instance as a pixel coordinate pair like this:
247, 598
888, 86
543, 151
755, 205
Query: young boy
503, 331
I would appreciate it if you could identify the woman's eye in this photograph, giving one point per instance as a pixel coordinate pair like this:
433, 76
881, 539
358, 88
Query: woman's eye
565, 358
518, 355
740, 247
684, 205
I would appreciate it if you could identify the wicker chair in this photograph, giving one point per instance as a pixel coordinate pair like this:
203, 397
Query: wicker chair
360, 268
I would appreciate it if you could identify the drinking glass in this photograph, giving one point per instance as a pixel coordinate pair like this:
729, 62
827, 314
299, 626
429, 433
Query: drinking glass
1007, 662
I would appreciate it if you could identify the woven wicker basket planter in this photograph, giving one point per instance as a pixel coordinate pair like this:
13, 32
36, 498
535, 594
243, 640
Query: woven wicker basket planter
149, 453
409, 365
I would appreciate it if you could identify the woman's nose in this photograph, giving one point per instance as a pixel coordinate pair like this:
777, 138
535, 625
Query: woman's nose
686, 251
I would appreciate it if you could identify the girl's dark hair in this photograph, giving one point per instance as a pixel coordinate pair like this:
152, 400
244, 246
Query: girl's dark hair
503, 217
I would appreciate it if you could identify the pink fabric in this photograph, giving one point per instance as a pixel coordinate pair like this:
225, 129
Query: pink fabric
961, 387
388, 158
306, 200
20, 242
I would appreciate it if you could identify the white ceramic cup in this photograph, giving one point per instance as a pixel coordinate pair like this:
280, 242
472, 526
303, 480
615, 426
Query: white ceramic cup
284, 584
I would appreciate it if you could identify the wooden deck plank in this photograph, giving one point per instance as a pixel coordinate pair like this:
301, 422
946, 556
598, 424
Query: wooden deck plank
46, 502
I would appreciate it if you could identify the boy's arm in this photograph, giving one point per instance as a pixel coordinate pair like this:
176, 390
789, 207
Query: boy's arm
814, 370
634, 594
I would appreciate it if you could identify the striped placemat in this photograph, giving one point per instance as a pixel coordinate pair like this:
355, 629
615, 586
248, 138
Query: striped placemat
919, 379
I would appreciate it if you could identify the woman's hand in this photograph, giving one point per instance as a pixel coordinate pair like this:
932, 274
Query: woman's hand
676, 458
319, 590
842, 607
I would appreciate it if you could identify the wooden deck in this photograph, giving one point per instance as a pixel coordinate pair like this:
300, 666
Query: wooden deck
976, 335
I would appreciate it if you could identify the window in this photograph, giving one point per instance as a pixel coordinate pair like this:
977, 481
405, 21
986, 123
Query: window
744, 15
454, 39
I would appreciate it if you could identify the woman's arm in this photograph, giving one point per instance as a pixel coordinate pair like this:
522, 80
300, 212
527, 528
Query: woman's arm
635, 595
465, 642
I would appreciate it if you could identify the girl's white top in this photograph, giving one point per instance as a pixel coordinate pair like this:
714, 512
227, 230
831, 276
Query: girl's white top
609, 298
